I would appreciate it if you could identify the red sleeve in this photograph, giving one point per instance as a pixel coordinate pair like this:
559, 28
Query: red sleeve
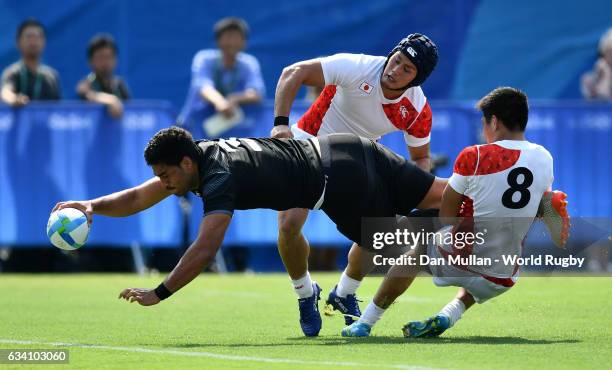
466, 161
422, 125
494, 159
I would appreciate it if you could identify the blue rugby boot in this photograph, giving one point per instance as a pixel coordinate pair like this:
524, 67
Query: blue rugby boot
357, 329
310, 318
348, 306
430, 328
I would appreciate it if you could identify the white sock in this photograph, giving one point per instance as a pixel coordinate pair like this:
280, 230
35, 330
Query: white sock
372, 314
347, 285
453, 310
303, 286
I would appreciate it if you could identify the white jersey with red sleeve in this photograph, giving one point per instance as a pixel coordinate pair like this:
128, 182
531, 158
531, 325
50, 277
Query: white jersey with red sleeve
353, 102
503, 184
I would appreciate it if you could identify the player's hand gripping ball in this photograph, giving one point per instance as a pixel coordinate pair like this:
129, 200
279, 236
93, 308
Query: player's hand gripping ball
68, 228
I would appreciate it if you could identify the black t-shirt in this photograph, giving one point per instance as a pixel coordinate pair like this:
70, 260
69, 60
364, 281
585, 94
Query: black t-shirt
279, 174
43, 84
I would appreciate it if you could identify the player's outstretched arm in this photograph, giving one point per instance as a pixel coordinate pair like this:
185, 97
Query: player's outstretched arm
308, 72
198, 256
122, 203
201, 252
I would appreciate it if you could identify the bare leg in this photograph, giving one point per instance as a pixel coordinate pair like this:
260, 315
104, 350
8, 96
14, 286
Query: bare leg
343, 297
294, 249
360, 262
397, 280
292, 245
465, 297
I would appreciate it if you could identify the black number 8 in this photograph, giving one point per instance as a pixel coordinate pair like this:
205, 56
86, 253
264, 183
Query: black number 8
516, 187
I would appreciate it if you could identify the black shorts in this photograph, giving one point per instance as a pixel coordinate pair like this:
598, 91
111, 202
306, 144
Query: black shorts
365, 179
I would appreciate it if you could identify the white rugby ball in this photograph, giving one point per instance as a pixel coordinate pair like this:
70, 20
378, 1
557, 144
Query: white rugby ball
68, 228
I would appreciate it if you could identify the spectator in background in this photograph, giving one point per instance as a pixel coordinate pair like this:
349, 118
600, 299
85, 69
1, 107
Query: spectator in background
597, 84
102, 85
28, 79
223, 78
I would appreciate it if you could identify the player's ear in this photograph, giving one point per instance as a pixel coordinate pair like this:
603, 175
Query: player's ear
186, 163
494, 123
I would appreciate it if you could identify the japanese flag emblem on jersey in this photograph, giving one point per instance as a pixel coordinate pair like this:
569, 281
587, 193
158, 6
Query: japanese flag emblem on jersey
365, 87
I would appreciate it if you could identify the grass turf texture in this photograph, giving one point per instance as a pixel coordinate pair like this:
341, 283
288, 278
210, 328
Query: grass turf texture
554, 322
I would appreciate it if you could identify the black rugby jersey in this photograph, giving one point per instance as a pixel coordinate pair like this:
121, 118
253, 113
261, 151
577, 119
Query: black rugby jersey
250, 173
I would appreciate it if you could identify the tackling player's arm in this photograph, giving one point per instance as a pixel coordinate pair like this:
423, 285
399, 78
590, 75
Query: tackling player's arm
308, 72
421, 156
196, 258
122, 203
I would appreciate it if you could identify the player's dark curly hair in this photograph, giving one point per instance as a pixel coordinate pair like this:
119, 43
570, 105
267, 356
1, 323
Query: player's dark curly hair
509, 105
169, 146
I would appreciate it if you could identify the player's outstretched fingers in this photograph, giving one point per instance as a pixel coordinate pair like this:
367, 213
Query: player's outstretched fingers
127, 293
123, 293
138, 293
135, 298
71, 204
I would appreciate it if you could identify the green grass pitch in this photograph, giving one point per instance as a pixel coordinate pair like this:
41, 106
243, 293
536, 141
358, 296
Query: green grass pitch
251, 322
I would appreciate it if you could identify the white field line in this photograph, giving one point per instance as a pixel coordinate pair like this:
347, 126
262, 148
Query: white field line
216, 355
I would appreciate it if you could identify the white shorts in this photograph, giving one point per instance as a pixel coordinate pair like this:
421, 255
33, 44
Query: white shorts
480, 288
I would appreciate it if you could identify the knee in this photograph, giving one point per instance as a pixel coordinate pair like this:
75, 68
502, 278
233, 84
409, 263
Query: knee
290, 224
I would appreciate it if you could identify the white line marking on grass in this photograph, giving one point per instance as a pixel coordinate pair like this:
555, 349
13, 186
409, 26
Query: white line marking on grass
216, 355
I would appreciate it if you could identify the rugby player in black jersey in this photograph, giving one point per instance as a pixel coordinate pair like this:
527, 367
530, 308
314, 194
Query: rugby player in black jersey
345, 176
